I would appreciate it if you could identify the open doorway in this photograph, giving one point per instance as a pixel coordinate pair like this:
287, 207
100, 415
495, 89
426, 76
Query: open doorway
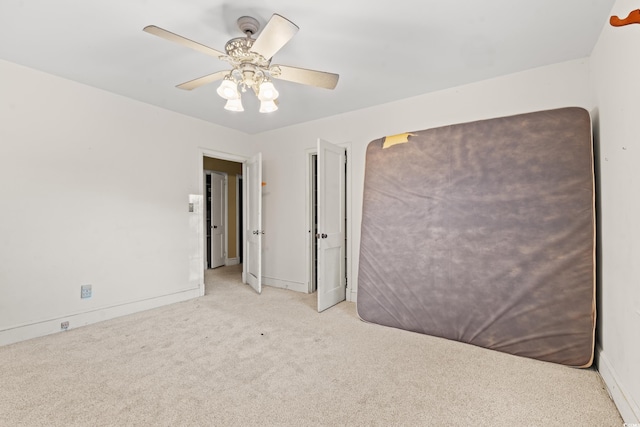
223, 212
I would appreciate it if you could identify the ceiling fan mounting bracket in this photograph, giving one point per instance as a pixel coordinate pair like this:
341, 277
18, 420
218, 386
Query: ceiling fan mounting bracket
248, 25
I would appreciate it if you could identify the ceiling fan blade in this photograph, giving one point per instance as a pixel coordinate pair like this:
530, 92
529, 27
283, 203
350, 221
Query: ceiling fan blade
168, 35
201, 81
307, 77
278, 31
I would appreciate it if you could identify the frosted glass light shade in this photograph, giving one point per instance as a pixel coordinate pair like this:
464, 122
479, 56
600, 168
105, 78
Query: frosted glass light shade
234, 105
228, 90
268, 106
267, 92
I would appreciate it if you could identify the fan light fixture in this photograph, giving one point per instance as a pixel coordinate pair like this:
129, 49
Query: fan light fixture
228, 90
248, 76
268, 106
267, 92
234, 105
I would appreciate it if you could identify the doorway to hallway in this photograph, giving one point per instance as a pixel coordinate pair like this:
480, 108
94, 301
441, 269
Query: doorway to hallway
223, 212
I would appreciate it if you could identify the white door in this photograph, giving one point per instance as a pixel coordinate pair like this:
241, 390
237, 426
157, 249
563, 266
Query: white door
331, 225
252, 262
217, 220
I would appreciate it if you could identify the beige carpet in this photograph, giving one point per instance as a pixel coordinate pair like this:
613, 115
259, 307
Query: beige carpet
237, 358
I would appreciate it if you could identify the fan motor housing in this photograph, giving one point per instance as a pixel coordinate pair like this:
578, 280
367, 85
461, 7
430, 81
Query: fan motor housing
239, 50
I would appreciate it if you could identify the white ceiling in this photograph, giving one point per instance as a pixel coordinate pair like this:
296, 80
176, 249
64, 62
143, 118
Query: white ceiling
384, 50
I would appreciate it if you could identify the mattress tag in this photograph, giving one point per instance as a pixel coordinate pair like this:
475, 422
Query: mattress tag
401, 138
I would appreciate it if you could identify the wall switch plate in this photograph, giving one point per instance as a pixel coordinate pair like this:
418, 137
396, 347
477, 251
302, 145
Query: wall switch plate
64, 325
85, 291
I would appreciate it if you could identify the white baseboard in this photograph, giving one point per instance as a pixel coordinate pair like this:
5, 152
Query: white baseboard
285, 284
626, 406
352, 295
51, 326
232, 261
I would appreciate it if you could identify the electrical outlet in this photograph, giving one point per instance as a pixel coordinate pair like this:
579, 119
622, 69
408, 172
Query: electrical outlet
64, 325
85, 291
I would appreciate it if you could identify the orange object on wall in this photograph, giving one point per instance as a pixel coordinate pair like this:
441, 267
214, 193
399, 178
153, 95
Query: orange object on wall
633, 18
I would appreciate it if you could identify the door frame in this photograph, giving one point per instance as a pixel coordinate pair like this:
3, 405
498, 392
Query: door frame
309, 153
202, 238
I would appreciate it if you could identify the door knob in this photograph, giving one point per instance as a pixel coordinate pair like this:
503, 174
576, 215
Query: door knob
215, 226
324, 236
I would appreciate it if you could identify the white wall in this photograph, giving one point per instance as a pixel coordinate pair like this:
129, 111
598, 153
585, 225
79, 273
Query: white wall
284, 166
615, 65
94, 190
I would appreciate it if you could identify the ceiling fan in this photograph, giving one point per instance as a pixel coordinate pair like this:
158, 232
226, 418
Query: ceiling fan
250, 60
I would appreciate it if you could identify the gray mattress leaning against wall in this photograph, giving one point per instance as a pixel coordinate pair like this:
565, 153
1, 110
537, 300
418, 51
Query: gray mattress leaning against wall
484, 233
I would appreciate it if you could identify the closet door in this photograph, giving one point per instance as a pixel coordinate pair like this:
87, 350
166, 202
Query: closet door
217, 220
